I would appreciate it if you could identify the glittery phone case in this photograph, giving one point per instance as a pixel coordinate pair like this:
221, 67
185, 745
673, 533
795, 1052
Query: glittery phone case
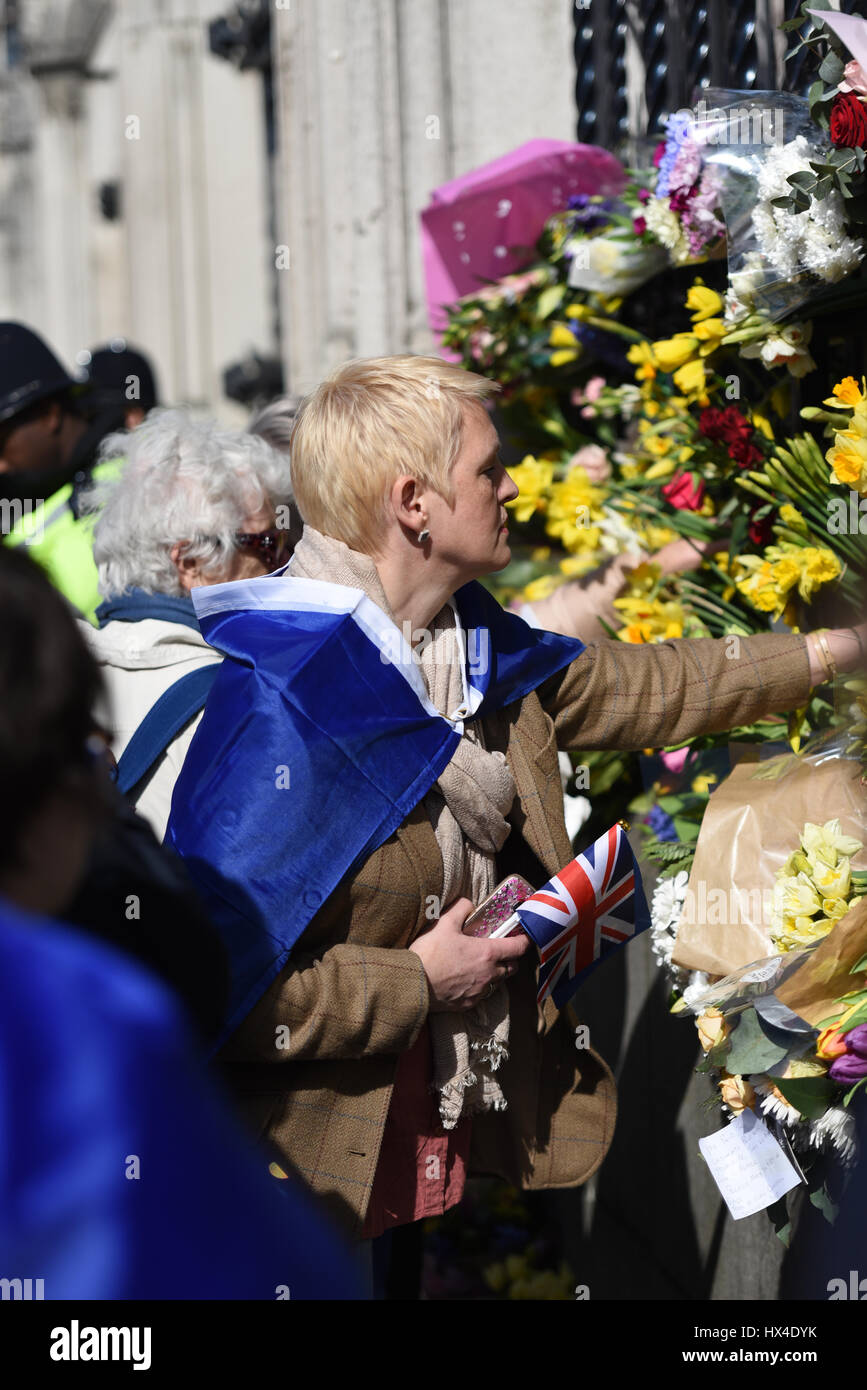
498, 906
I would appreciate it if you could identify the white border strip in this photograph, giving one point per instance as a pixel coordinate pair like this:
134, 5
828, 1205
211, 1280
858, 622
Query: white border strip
276, 593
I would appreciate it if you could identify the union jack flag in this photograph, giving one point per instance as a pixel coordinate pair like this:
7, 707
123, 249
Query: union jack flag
585, 912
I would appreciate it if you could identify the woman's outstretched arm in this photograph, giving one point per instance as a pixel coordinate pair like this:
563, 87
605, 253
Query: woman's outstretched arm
616, 695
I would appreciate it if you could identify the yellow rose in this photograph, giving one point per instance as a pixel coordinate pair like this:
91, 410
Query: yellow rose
737, 1093
712, 1028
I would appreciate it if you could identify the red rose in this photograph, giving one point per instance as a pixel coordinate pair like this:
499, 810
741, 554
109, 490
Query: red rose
685, 492
848, 121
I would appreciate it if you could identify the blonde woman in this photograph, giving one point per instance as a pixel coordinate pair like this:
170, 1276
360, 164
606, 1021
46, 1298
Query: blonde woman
379, 751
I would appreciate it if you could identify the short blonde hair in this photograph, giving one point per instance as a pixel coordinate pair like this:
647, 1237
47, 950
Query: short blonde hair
369, 421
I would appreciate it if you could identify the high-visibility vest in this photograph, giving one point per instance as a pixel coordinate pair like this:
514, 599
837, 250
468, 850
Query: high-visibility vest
62, 545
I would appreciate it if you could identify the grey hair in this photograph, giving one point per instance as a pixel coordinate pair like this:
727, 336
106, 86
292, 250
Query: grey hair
273, 422
183, 480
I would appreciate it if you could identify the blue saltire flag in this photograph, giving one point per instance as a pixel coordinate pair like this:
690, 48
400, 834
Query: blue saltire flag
317, 741
586, 911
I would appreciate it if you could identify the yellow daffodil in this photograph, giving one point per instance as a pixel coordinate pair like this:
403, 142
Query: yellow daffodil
562, 356
561, 336
703, 303
710, 333
823, 844
762, 424
660, 469
573, 508
847, 393
792, 518
814, 888
848, 459
533, 478
575, 565
671, 353
641, 357
690, 378
649, 620
766, 581
540, 588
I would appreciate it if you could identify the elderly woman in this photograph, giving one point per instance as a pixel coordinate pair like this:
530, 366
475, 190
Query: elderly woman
194, 505
379, 751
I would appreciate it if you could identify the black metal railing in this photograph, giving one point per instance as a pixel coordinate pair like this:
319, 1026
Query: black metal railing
639, 60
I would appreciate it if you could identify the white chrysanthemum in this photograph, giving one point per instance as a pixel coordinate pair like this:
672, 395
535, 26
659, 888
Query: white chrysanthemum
773, 1105
665, 909
836, 1130
665, 226
815, 239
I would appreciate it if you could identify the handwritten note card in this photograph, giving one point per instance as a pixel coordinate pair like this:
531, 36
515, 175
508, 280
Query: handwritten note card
748, 1165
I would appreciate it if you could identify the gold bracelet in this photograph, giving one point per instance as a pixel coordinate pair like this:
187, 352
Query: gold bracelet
826, 656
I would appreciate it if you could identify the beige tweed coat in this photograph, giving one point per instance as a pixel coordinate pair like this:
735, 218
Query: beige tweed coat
354, 997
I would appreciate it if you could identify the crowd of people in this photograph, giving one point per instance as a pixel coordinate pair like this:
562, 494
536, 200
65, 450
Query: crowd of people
244, 828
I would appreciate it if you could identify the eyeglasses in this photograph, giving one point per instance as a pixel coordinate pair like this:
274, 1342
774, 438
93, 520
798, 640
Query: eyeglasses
270, 546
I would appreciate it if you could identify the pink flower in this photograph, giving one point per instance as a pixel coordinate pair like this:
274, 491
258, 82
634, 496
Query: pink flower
639, 225
594, 461
854, 79
594, 388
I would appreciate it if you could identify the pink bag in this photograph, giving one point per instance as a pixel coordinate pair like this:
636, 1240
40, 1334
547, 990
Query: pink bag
484, 224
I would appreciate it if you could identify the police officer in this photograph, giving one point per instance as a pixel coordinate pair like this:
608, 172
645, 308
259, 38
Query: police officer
50, 432
120, 375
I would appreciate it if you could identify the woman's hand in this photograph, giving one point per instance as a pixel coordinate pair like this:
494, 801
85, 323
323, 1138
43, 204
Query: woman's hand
460, 968
843, 648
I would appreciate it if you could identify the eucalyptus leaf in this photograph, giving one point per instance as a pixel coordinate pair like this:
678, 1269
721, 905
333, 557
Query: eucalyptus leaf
752, 1051
820, 1198
831, 69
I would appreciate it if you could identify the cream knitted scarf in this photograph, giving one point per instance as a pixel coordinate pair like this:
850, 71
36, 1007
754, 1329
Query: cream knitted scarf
468, 807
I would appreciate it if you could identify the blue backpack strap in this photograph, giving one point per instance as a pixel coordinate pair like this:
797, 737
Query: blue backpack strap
162, 723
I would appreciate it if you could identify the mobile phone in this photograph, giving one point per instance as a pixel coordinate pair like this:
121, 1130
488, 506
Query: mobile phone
493, 917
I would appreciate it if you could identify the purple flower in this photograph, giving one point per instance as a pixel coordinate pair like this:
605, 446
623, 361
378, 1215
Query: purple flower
856, 1040
675, 137
660, 823
589, 212
848, 1069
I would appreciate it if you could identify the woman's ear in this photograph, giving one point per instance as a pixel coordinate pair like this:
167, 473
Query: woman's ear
187, 568
407, 500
